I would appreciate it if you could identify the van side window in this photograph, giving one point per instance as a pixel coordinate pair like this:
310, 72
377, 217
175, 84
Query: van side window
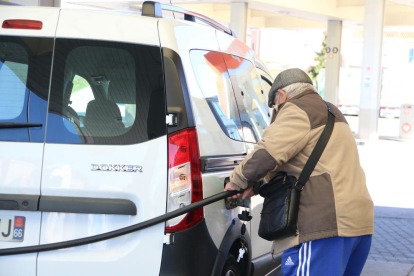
266, 79
250, 97
266, 85
25, 64
106, 93
214, 81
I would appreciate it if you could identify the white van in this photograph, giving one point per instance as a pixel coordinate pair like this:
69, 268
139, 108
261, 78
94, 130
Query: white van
85, 148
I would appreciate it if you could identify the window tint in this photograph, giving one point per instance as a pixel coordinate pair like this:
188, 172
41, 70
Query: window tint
106, 93
251, 100
25, 64
214, 82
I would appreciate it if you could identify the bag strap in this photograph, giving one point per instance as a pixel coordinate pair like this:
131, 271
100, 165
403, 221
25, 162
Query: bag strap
317, 151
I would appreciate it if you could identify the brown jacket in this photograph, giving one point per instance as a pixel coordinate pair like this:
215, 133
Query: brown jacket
335, 201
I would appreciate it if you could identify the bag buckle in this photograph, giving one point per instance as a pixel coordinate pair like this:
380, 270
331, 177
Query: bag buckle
299, 186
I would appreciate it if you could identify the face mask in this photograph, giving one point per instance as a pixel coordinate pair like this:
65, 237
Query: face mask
276, 106
275, 110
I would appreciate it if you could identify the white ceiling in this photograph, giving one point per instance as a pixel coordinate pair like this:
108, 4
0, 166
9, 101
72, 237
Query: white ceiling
349, 11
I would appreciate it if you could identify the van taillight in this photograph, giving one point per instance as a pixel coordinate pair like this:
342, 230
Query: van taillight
22, 24
184, 178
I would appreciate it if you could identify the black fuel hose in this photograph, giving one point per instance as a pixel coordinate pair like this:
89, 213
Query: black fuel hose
119, 232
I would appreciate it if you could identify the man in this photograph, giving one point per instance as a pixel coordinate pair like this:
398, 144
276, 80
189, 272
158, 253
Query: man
336, 216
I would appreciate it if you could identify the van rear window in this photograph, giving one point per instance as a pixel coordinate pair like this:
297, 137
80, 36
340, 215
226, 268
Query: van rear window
25, 65
13, 79
105, 93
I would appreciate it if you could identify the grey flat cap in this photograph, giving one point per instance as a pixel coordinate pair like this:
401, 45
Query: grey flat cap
286, 78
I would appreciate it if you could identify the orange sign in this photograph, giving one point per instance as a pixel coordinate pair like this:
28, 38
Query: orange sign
406, 127
406, 111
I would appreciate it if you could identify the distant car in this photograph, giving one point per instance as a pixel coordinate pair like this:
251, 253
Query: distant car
389, 112
350, 110
111, 119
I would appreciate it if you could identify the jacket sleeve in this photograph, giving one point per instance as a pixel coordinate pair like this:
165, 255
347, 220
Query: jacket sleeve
281, 141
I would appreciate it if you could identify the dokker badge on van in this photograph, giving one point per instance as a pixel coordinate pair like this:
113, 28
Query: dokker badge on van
116, 168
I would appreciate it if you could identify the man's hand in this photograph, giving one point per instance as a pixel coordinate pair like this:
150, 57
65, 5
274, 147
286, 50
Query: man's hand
246, 194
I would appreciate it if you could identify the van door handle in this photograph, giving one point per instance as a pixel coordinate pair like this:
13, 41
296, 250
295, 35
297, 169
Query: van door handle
19, 202
18, 125
87, 205
63, 204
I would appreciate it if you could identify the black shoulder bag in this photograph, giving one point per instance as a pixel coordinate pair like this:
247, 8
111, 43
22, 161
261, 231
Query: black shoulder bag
282, 193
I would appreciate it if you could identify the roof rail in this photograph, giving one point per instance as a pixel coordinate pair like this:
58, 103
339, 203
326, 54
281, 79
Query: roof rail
154, 9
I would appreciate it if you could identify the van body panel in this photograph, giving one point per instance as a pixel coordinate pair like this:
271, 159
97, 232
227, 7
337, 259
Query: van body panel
101, 143
108, 26
193, 253
20, 153
216, 212
196, 36
20, 167
184, 37
67, 172
48, 16
20, 172
233, 46
176, 90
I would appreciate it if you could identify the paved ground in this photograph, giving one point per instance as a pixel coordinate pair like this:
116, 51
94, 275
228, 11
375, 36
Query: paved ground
374, 268
392, 250
393, 241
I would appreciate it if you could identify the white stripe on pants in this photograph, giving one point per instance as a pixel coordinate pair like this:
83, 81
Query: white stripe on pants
306, 259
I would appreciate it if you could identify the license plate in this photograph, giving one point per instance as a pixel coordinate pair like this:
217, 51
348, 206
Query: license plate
12, 228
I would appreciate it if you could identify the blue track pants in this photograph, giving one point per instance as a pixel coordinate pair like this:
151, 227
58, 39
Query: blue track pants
339, 256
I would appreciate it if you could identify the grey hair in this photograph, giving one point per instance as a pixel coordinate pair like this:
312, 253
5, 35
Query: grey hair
295, 89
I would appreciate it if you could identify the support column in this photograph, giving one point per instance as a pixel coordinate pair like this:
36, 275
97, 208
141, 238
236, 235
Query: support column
238, 20
333, 60
256, 41
371, 69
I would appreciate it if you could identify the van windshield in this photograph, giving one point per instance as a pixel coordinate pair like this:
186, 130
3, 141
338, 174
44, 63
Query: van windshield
106, 93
